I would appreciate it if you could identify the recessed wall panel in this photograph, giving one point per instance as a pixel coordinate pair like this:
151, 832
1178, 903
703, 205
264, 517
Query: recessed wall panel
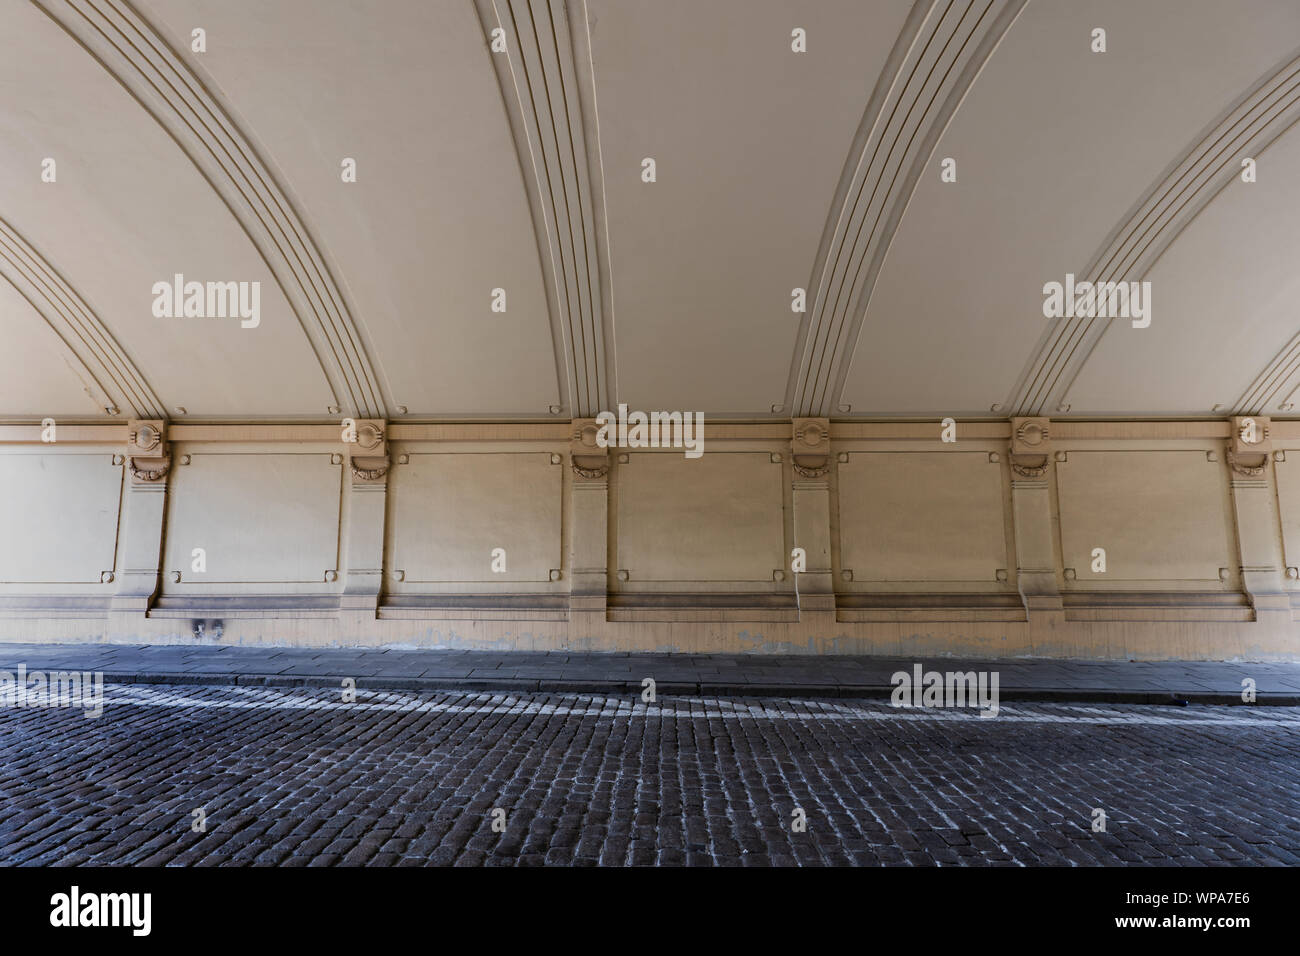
259, 518
58, 517
920, 516
449, 512
1160, 516
1288, 506
713, 519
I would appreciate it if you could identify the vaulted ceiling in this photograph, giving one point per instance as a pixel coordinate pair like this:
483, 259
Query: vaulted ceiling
524, 170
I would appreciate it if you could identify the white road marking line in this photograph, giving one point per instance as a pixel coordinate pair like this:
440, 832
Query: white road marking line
242, 697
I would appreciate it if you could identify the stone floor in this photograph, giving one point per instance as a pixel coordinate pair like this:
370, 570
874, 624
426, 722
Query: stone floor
716, 674
296, 776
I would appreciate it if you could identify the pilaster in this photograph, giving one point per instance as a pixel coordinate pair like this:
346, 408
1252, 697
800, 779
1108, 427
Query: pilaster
588, 531
810, 459
1259, 535
148, 461
1031, 513
367, 477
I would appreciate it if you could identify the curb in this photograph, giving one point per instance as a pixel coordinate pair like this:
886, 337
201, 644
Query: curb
696, 689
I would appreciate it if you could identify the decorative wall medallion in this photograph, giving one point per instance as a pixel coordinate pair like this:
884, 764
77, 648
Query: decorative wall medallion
146, 437
1249, 444
370, 434
1252, 431
1030, 447
810, 448
588, 459
585, 431
146, 449
1032, 432
365, 440
811, 432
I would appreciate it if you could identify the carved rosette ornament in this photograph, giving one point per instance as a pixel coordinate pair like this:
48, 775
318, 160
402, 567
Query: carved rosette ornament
1249, 445
147, 454
810, 448
589, 460
1030, 448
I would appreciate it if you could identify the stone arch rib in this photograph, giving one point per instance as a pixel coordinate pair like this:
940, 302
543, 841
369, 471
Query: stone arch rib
548, 91
88, 345
943, 47
1205, 167
142, 62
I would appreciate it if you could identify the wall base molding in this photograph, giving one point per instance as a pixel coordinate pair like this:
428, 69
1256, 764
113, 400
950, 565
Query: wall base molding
686, 629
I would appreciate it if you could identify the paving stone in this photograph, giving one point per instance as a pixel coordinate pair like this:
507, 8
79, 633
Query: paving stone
292, 777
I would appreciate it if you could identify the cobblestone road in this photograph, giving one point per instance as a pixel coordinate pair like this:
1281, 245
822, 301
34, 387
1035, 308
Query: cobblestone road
297, 777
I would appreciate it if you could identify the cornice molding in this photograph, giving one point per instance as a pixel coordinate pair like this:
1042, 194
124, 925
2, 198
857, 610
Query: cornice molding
555, 435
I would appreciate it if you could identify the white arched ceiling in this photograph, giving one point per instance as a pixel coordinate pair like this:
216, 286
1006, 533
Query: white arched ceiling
36, 375
129, 210
438, 216
521, 170
1232, 280
749, 139
1054, 145
72, 333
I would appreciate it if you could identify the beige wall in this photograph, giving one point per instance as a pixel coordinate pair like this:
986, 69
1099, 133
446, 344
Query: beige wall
925, 555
